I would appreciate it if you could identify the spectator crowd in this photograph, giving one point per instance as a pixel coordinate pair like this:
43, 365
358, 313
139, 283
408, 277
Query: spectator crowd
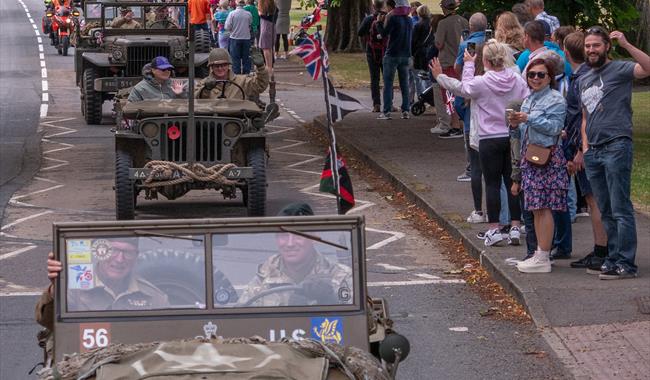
545, 114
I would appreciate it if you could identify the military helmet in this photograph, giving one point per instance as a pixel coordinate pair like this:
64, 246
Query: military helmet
219, 55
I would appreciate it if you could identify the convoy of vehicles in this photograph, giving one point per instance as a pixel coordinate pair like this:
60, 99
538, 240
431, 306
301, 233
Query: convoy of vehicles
194, 303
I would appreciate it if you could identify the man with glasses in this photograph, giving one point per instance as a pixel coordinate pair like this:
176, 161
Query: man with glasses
110, 282
156, 84
606, 96
220, 65
125, 20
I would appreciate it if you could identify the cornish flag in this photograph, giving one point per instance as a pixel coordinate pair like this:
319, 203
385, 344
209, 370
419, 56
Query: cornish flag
309, 49
340, 103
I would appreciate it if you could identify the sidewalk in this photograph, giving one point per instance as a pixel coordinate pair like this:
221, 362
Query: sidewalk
595, 327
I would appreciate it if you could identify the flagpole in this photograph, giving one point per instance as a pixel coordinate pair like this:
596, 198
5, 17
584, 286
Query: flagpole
330, 127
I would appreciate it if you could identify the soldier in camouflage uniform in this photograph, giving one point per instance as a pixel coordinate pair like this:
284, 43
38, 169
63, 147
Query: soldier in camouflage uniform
298, 263
125, 20
220, 63
158, 18
115, 287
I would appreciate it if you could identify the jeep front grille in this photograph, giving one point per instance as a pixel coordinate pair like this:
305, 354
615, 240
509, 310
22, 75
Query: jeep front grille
208, 143
138, 56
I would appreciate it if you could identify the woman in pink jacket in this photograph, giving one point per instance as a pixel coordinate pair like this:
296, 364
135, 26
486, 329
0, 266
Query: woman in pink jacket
491, 93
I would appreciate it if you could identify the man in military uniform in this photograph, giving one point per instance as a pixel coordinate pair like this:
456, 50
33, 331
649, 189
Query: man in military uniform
298, 263
125, 20
220, 64
158, 18
114, 286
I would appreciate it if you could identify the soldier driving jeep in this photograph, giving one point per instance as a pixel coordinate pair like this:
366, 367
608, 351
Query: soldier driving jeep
298, 263
125, 20
224, 83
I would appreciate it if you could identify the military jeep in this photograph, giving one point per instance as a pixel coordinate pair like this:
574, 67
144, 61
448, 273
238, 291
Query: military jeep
158, 150
208, 271
108, 59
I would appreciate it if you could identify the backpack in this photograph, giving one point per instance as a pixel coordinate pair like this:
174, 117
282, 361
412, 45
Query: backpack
375, 41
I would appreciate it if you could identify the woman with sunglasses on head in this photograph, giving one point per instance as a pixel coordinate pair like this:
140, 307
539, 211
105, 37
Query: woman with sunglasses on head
157, 83
544, 180
490, 93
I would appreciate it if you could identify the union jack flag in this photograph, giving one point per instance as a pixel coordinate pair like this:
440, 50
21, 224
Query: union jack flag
309, 49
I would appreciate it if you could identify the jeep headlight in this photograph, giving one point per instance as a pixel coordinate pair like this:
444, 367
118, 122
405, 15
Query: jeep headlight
179, 54
149, 130
231, 129
117, 54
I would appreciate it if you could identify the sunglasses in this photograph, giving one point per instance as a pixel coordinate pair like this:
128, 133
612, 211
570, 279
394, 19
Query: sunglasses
221, 65
598, 30
538, 74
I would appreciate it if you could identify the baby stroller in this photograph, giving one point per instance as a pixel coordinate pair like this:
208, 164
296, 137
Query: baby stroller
426, 97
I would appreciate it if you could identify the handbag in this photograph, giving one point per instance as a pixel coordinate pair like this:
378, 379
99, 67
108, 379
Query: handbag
538, 155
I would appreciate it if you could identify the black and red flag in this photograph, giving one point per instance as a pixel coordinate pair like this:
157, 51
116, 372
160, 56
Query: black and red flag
346, 194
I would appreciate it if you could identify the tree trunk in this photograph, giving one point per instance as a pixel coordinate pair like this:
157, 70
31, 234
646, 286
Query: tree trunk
643, 33
342, 25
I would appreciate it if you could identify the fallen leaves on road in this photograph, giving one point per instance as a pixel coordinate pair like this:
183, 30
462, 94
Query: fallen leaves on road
505, 306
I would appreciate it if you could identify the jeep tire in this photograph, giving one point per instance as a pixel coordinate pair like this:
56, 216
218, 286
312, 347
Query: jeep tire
125, 195
91, 101
255, 199
202, 41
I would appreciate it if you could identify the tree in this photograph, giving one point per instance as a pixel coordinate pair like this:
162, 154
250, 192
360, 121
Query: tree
343, 20
612, 14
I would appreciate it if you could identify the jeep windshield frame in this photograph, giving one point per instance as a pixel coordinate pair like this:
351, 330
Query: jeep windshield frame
180, 31
208, 229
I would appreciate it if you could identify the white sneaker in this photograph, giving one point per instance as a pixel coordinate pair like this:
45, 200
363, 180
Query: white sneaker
539, 263
477, 217
522, 230
493, 237
514, 236
384, 116
437, 130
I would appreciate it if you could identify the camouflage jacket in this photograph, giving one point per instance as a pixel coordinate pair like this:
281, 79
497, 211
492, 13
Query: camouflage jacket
252, 85
270, 274
122, 23
140, 295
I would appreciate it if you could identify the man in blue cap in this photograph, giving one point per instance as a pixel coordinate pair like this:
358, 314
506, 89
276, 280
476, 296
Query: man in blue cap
156, 84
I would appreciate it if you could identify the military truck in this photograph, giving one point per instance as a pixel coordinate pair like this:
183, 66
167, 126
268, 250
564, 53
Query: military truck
158, 150
220, 280
108, 59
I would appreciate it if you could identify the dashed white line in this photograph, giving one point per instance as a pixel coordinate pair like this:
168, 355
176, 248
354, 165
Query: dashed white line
43, 112
46, 97
44, 85
43, 72
18, 221
377, 284
40, 41
389, 266
20, 294
16, 252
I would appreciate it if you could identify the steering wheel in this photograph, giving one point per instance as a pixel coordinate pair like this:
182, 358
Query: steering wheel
267, 292
164, 24
224, 82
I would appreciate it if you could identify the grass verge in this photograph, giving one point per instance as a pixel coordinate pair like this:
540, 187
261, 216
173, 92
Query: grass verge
641, 168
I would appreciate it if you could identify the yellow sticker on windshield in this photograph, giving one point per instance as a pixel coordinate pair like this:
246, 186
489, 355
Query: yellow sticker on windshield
78, 251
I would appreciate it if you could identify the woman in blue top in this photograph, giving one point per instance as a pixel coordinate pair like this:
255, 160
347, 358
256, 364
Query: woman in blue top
540, 122
220, 17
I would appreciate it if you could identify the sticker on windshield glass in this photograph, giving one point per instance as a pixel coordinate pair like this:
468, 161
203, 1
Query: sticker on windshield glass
101, 249
78, 251
81, 276
327, 329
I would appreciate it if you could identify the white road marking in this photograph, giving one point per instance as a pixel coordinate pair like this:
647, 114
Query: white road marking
44, 85
396, 236
45, 97
20, 294
15, 198
388, 266
459, 329
16, 252
41, 56
60, 163
43, 111
44, 73
40, 48
40, 42
18, 221
427, 276
377, 284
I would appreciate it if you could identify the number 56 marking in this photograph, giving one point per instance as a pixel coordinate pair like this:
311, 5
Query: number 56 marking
94, 335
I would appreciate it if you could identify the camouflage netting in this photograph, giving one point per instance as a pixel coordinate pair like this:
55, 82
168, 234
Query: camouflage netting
352, 362
85, 31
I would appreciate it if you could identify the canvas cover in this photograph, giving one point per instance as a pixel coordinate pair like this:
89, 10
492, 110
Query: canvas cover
179, 107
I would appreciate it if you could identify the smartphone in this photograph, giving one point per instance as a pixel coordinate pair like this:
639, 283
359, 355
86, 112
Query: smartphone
488, 34
471, 48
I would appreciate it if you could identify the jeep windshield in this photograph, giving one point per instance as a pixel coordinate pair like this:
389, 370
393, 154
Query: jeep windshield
138, 15
159, 280
163, 270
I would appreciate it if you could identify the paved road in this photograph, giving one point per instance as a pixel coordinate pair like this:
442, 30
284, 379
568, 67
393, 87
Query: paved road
74, 183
